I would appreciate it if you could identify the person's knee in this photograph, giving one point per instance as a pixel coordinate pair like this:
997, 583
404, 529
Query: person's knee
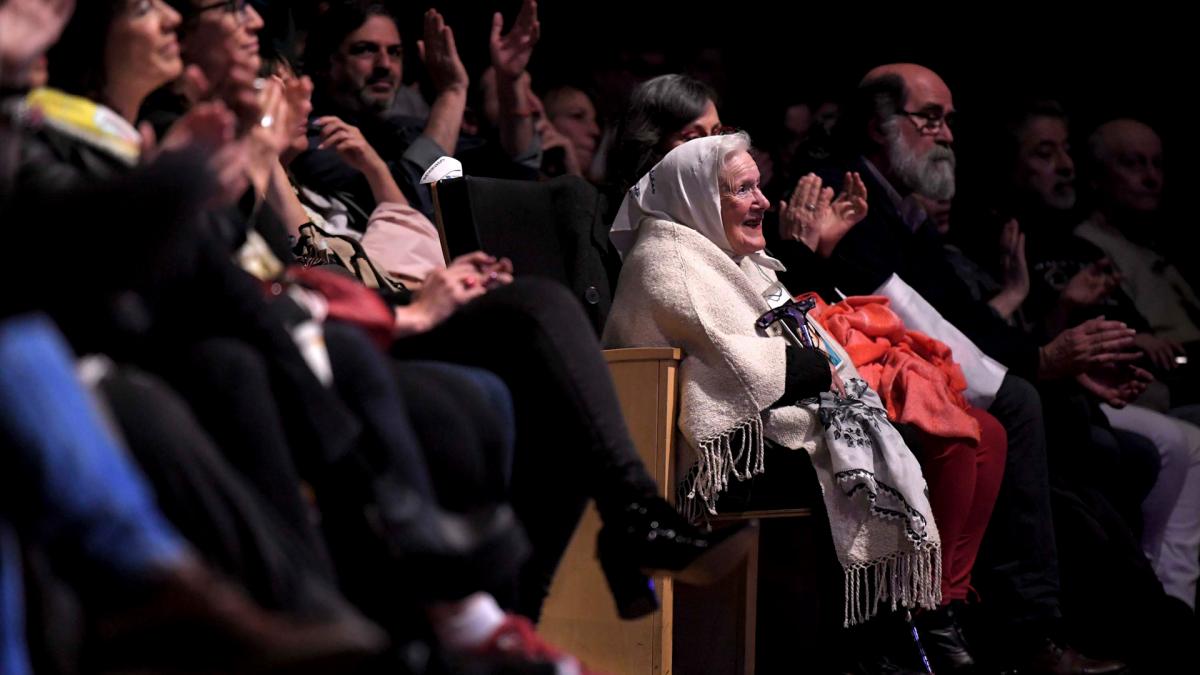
227, 363
540, 300
1140, 460
1191, 435
1177, 449
495, 393
993, 439
1106, 453
144, 406
1018, 408
1021, 401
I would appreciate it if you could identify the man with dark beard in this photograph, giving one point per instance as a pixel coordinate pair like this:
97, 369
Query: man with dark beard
896, 133
354, 54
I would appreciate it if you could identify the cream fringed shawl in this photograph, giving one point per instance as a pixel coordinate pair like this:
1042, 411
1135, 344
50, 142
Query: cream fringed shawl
678, 289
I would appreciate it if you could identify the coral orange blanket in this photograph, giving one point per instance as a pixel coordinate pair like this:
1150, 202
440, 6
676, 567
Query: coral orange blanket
915, 375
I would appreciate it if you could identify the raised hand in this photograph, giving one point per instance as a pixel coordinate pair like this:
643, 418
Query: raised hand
814, 217
27, 29
511, 52
440, 54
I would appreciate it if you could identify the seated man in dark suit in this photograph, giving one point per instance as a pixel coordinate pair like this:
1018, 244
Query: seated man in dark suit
897, 136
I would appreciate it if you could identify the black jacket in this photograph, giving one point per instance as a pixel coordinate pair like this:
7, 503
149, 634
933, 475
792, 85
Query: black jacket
156, 277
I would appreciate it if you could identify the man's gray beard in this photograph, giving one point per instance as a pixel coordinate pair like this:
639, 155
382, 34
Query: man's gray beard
931, 175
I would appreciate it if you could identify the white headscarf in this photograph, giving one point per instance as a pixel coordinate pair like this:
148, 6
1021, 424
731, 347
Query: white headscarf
685, 188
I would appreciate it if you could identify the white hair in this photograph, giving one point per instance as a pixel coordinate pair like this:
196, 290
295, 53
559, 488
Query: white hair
731, 144
728, 146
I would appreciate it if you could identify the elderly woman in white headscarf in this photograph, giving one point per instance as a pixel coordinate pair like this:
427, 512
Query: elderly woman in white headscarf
696, 277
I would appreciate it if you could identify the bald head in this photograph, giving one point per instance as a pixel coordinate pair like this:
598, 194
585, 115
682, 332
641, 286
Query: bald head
1127, 163
914, 77
1119, 134
907, 127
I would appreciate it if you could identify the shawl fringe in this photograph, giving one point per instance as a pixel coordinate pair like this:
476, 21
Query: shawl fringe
905, 578
736, 453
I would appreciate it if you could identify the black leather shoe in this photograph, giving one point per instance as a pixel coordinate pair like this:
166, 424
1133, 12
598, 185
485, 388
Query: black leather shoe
648, 537
944, 643
1053, 659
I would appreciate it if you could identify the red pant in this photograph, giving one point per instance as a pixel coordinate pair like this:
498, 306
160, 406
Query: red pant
964, 479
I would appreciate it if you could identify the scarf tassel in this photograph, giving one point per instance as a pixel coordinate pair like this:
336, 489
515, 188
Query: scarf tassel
717, 460
906, 579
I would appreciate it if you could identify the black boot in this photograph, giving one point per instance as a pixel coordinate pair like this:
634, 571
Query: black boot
648, 536
884, 645
944, 643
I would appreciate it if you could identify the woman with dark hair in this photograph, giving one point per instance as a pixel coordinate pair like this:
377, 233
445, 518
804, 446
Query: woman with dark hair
663, 113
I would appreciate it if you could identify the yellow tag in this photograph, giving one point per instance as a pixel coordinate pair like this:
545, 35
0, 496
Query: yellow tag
89, 122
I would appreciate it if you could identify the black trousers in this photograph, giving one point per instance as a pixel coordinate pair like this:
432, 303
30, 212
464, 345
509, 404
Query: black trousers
1127, 467
232, 383
447, 429
1114, 603
571, 440
463, 418
1016, 572
442, 430
229, 386
219, 512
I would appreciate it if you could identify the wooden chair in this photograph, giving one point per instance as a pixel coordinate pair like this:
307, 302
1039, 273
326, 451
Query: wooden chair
580, 615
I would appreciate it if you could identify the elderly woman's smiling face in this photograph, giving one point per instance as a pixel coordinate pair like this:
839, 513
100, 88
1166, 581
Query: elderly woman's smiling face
742, 204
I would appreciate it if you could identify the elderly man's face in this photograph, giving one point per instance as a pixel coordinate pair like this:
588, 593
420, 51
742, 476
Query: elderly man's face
1131, 167
742, 205
365, 72
1044, 169
919, 141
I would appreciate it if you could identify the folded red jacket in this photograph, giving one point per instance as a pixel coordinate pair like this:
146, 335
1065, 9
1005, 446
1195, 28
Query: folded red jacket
915, 375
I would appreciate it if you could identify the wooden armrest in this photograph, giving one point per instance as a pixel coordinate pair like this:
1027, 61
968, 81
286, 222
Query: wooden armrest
643, 354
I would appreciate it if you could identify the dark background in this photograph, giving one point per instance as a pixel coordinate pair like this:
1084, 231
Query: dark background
1132, 59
